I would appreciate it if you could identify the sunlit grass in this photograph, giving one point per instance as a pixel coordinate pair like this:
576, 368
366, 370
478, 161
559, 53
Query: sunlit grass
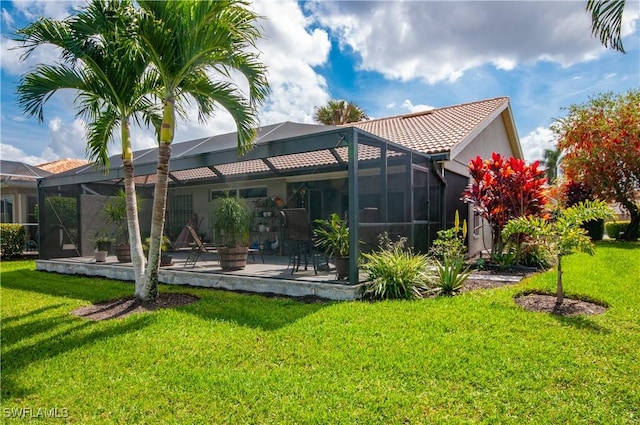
237, 358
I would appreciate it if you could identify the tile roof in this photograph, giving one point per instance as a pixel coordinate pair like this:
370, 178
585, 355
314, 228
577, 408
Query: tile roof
62, 165
436, 130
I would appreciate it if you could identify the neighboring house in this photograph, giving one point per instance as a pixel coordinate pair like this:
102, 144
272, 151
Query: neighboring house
402, 174
19, 190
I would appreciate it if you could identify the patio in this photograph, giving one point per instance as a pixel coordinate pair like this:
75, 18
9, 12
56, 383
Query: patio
273, 276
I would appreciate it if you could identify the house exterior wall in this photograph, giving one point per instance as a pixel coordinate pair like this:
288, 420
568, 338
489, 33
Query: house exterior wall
493, 138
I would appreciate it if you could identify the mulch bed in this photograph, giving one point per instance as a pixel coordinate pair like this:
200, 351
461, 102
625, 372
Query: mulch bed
123, 307
547, 304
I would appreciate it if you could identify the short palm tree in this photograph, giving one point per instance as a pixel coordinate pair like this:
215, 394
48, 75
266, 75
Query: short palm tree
338, 112
100, 61
192, 47
550, 158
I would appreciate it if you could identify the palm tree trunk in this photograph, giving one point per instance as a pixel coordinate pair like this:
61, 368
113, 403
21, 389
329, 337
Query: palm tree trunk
559, 290
149, 287
133, 224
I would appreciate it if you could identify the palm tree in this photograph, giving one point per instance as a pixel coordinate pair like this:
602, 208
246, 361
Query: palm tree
606, 21
192, 47
550, 160
102, 63
338, 112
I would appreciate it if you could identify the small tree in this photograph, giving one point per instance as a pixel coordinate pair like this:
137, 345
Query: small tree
563, 235
504, 189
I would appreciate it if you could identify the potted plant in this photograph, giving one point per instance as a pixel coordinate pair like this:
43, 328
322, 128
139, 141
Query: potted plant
232, 224
115, 212
103, 245
333, 236
165, 258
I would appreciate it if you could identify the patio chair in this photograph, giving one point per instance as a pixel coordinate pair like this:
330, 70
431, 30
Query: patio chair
297, 237
197, 249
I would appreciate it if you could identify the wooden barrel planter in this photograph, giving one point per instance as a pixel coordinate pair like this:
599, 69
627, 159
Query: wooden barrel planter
123, 252
233, 258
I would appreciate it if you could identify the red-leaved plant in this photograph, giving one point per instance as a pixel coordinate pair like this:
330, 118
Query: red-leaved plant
503, 189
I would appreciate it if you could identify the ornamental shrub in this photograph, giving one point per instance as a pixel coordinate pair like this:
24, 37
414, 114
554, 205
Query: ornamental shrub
394, 273
615, 228
11, 240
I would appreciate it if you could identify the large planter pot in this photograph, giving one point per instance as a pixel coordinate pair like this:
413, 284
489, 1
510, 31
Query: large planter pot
123, 253
342, 267
101, 256
166, 260
233, 258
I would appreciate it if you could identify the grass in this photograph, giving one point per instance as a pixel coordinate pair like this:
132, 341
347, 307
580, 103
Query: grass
237, 358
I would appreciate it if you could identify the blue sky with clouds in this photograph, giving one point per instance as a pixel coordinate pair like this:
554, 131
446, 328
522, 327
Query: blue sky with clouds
390, 57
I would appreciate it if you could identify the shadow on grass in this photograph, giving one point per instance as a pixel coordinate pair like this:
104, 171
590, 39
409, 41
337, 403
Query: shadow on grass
52, 336
92, 289
257, 311
581, 322
11, 319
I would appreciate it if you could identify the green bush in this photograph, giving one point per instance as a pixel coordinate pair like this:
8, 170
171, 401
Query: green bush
395, 274
595, 229
614, 228
11, 240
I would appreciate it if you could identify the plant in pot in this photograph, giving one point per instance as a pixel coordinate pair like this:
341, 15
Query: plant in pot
165, 258
232, 224
102, 245
333, 236
115, 212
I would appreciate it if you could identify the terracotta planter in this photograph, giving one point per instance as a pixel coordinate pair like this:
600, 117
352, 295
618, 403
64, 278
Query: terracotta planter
101, 256
342, 267
233, 258
123, 252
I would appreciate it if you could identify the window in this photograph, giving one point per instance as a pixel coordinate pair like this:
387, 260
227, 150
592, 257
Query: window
251, 192
179, 213
6, 209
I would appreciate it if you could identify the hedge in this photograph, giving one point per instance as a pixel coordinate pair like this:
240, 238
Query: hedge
11, 240
614, 228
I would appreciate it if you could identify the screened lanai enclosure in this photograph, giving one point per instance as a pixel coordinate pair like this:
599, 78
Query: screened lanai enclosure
376, 185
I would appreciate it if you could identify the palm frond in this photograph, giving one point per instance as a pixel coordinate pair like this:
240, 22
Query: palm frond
606, 22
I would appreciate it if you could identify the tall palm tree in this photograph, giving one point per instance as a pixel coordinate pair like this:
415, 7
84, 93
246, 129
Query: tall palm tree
606, 21
192, 47
100, 61
550, 158
338, 112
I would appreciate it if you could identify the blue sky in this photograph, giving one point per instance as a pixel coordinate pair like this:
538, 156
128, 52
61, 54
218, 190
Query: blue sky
389, 57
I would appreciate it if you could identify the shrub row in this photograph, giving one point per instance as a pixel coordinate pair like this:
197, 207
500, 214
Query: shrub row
614, 228
11, 240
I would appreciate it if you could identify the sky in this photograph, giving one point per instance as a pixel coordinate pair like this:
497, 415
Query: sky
389, 57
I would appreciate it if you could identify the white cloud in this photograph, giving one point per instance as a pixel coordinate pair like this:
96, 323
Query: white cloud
67, 140
438, 41
7, 19
415, 108
11, 153
534, 143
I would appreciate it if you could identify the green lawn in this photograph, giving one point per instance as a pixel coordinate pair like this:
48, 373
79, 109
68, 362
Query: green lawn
237, 358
